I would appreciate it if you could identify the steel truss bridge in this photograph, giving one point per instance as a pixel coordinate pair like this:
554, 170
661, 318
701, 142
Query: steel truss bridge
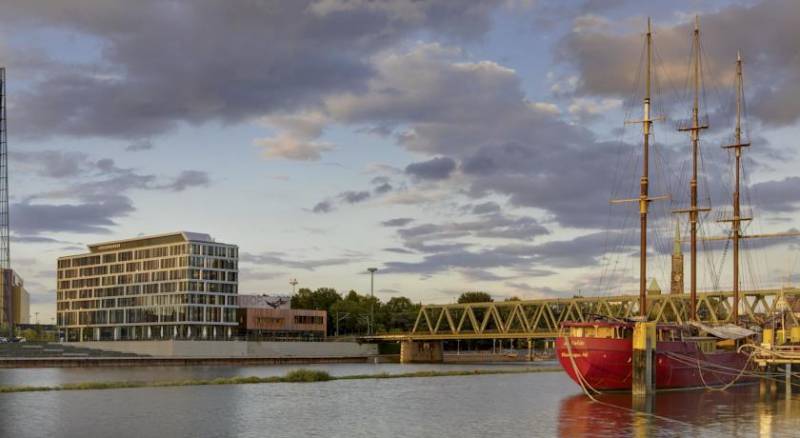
541, 319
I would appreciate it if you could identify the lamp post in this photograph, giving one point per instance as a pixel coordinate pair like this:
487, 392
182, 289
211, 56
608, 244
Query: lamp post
293, 282
371, 326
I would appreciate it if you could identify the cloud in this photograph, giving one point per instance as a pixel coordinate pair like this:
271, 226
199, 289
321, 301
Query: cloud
603, 55
247, 274
53, 163
522, 258
778, 195
474, 116
187, 179
353, 197
399, 250
322, 207
140, 145
90, 217
486, 207
439, 238
92, 194
34, 239
397, 222
290, 148
162, 64
433, 169
280, 259
383, 189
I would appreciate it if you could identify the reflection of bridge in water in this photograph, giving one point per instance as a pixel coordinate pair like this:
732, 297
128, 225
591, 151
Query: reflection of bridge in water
541, 319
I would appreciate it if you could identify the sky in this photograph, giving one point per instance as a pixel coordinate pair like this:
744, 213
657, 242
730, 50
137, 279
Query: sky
453, 145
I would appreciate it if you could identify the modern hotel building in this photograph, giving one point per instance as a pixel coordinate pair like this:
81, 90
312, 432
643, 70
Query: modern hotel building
180, 285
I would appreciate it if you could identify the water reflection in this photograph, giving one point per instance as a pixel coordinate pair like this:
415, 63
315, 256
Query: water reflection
760, 408
58, 376
510, 405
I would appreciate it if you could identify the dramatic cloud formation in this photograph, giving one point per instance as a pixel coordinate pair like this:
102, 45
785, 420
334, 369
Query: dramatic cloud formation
435, 168
158, 68
603, 56
88, 217
94, 194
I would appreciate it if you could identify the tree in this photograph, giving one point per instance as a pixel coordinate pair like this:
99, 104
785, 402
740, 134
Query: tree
514, 298
399, 314
475, 297
320, 299
323, 298
353, 312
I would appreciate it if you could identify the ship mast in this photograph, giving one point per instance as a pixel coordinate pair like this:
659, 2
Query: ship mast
644, 198
693, 211
736, 220
643, 182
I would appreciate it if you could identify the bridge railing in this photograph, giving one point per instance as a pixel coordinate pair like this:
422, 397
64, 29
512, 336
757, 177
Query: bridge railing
542, 318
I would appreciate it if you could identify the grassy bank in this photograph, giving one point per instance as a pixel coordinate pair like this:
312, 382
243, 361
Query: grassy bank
296, 376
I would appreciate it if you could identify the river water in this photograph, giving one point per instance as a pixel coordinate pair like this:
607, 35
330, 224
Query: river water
511, 405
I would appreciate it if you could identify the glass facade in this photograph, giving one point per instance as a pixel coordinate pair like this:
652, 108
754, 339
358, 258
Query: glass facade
175, 286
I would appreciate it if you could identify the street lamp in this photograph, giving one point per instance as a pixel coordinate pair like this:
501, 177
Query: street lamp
293, 282
371, 326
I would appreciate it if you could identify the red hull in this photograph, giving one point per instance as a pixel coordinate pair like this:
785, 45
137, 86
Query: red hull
606, 364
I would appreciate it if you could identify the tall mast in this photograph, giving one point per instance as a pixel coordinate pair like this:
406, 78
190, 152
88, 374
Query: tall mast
5, 257
736, 220
694, 129
644, 198
643, 183
693, 183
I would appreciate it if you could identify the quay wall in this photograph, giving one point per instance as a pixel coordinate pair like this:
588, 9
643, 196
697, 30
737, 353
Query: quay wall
234, 349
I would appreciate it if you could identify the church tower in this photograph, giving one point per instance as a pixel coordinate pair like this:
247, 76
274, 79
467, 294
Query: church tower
676, 286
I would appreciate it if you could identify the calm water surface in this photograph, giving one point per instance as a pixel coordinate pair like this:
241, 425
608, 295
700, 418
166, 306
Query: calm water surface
514, 405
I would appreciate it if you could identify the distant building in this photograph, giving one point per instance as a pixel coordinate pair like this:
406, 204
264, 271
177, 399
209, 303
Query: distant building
270, 317
179, 285
265, 301
21, 305
13, 299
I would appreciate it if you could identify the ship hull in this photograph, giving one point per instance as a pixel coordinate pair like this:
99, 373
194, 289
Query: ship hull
605, 364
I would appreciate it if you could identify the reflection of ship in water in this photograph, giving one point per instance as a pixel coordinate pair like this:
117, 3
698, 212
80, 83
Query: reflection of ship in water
742, 409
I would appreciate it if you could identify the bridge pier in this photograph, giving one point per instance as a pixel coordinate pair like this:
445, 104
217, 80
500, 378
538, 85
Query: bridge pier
421, 352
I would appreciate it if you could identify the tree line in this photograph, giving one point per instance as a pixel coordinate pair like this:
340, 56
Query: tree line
349, 314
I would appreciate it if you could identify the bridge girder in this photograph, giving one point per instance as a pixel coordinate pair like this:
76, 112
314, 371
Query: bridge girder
537, 319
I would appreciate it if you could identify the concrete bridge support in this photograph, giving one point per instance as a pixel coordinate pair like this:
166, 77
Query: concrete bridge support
421, 352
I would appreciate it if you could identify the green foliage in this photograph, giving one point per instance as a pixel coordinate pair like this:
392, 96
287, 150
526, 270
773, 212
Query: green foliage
320, 299
304, 375
475, 297
353, 311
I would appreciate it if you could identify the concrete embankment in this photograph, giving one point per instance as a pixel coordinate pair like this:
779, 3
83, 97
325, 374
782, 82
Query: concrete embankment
186, 353
234, 349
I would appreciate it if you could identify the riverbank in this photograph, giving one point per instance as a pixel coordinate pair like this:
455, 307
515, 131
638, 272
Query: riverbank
124, 362
295, 376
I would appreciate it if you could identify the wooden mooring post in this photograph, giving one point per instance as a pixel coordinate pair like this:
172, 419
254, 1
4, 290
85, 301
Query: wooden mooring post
644, 344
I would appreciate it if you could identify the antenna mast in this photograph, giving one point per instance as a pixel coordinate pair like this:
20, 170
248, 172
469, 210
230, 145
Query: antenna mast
5, 253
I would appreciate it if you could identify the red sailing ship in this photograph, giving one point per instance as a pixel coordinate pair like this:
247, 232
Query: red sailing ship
599, 354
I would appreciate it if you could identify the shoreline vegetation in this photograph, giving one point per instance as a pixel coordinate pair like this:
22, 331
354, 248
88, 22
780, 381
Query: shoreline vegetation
295, 376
